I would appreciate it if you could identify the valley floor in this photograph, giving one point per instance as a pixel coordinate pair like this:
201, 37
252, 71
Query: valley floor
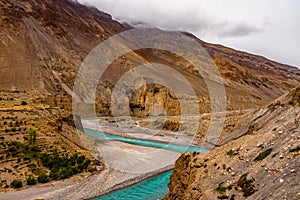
134, 164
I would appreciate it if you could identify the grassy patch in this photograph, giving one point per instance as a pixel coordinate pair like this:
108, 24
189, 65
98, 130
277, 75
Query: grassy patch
275, 154
221, 189
263, 155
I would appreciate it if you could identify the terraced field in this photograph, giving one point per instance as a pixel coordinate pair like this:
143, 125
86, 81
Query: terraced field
29, 129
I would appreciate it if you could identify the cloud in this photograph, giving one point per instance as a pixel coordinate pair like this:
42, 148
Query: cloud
254, 26
238, 30
177, 16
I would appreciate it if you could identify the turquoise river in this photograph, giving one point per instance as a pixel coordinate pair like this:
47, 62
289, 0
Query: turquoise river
153, 188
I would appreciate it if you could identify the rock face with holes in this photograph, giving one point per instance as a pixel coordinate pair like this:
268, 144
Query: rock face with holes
263, 163
154, 100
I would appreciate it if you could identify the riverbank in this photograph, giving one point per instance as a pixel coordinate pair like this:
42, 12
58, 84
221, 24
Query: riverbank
82, 188
145, 162
135, 131
135, 180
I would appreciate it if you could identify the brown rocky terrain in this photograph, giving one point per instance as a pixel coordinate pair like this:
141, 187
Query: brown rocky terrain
261, 163
38, 37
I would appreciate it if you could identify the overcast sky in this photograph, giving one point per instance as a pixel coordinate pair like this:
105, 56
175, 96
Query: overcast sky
270, 27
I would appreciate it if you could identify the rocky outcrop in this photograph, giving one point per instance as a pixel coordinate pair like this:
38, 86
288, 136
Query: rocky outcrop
181, 183
263, 163
154, 100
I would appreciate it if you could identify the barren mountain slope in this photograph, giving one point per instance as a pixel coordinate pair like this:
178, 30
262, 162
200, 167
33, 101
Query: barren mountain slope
43, 44
263, 163
40, 36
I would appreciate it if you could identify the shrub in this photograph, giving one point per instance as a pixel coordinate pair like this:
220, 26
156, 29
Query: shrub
64, 166
84, 165
31, 180
275, 154
43, 178
54, 174
246, 185
80, 159
221, 189
263, 155
75, 170
16, 184
230, 152
66, 173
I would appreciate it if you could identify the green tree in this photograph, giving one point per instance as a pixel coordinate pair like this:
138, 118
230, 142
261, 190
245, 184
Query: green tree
31, 180
54, 174
16, 184
43, 178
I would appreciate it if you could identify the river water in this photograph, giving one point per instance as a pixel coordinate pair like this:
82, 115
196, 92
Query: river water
151, 189
160, 145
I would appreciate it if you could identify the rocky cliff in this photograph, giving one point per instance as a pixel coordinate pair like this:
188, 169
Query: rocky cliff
262, 163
